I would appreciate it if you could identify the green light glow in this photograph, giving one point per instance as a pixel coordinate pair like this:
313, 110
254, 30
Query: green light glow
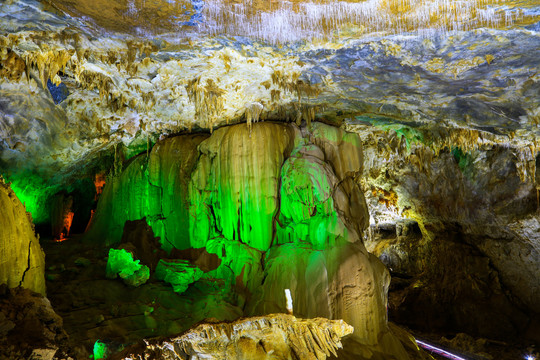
307, 207
32, 191
407, 133
464, 159
178, 273
100, 350
121, 263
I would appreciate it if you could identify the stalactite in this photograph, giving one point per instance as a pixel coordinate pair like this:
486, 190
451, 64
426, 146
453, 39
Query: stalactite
253, 112
207, 99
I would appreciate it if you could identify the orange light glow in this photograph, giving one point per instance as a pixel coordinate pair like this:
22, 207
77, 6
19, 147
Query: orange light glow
99, 183
92, 212
68, 220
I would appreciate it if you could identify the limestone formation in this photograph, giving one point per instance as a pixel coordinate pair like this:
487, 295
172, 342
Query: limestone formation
244, 137
466, 209
170, 166
23, 260
341, 282
277, 336
237, 176
155, 187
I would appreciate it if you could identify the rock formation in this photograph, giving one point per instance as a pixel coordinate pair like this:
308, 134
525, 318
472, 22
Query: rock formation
23, 260
442, 224
244, 139
29, 327
282, 208
277, 336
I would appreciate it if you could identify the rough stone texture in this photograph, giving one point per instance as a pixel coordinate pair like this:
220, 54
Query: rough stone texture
153, 187
138, 238
307, 211
126, 196
282, 208
61, 207
127, 88
29, 327
170, 166
22, 259
459, 230
277, 336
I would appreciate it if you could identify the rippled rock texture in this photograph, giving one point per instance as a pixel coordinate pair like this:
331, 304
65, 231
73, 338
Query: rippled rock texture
275, 336
281, 206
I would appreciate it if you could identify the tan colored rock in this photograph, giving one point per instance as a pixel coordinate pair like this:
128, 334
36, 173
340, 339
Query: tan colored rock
342, 282
22, 261
275, 337
343, 150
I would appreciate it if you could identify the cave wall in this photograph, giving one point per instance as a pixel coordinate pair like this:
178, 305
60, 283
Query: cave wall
459, 228
22, 259
281, 206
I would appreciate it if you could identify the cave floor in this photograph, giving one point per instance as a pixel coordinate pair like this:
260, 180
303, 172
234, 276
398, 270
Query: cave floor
96, 308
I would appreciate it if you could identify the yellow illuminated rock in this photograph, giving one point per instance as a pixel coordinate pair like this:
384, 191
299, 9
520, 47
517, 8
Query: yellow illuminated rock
23, 260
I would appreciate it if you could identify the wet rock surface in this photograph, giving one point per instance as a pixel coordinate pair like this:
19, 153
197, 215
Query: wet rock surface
441, 108
243, 271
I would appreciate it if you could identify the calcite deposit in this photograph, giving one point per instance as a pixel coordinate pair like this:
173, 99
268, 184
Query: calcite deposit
276, 336
442, 218
281, 206
376, 160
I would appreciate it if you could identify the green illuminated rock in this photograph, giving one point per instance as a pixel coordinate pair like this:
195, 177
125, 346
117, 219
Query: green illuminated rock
33, 191
121, 263
235, 185
307, 207
240, 267
179, 273
343, 151
170, 166
126, 196
154, 187
100, 350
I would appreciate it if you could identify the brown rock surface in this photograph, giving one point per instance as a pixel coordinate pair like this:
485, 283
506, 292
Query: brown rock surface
459, 228
29, 327
343, 282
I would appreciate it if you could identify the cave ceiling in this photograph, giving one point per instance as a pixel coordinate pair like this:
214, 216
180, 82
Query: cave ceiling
77, 78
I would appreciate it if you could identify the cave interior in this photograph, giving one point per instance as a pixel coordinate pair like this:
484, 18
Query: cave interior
219, 179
